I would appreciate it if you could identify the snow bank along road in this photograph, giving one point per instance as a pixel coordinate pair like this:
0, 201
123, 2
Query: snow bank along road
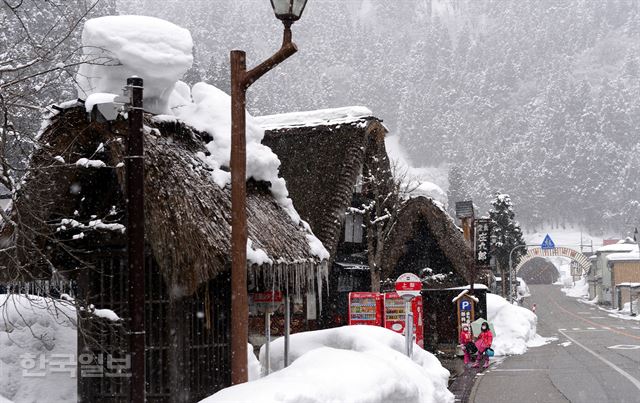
596, 358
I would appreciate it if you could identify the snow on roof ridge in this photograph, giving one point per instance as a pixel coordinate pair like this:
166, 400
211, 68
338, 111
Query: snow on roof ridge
618, 247
631, 256
320, 117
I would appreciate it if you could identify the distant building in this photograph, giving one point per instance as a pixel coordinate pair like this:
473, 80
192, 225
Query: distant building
602, 286
625, 276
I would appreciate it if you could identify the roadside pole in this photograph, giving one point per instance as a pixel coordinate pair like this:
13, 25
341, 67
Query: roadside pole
287, 326
408, 286
267, 333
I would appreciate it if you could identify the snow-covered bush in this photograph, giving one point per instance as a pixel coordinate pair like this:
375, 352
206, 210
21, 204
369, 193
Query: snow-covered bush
364, 364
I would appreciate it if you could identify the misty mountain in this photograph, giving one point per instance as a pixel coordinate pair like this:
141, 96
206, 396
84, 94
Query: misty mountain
538, 99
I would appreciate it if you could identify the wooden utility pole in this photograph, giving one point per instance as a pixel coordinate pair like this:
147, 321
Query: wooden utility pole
134, 163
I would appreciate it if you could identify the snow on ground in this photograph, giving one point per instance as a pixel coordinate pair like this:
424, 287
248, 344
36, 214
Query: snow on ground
563, 265
624, 313
515, 327
355, 364
253, 365
122, 46
578, 290
31, 329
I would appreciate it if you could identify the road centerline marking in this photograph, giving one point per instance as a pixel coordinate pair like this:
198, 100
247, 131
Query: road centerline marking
519, 370
594, 323
622, 372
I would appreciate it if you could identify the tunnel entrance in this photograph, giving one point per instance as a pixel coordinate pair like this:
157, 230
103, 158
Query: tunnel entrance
539, 271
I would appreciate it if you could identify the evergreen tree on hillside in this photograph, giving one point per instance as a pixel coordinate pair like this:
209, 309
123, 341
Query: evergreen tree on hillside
506, 235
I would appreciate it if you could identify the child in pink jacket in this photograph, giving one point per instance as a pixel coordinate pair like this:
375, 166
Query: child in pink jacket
465, 337
485, 338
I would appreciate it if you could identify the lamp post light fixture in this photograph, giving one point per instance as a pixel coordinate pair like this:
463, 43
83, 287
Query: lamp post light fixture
288, 11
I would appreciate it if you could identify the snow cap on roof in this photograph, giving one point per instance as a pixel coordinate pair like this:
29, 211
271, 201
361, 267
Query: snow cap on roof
321, 117
633, 256
621, 246
118, 47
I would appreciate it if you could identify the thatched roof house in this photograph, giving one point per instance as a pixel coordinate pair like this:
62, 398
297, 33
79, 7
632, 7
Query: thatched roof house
68, 219
187, 215
322, 154
427, 242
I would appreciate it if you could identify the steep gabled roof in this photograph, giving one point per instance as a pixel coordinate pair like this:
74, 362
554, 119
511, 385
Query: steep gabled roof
322, 153
418, 211
187, 215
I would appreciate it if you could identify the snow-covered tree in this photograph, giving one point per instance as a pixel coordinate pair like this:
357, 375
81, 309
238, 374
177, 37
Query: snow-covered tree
506, 235
385, 187
40, 52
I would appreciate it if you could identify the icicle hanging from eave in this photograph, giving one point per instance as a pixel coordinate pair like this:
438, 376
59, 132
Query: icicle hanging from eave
300, 275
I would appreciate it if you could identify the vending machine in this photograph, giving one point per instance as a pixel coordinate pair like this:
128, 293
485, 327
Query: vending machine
365, 308
394, 315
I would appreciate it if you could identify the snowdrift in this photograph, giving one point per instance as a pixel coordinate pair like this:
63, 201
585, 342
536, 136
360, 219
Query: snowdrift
356, 364
578, 290
32, 327
515, 327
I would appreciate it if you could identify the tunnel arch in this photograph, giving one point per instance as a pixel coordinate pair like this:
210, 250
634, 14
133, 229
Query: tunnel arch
561, 251
539, 270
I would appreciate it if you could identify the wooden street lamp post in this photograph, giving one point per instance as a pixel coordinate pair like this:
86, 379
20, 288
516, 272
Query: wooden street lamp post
288, 11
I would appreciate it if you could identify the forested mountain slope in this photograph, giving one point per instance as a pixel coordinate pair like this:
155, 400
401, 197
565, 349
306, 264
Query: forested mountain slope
538, 99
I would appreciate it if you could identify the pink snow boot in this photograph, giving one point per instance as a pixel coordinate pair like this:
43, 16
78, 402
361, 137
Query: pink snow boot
486, 364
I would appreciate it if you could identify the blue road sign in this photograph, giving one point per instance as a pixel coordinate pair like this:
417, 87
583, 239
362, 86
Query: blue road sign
547, 243
465, 305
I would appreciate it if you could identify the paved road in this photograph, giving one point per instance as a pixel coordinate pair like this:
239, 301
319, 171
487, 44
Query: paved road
596, 358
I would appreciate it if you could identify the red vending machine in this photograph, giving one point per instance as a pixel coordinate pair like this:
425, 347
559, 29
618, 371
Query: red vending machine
394, 315
365, 308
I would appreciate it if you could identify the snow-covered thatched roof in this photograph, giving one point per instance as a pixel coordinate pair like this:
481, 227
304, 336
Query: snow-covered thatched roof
321, 154
420, 212
187, 214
